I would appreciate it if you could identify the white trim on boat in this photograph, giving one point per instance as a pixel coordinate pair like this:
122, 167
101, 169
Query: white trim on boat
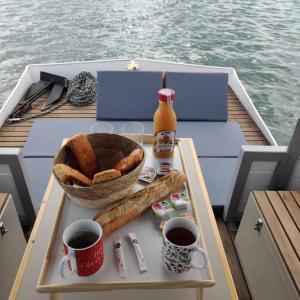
70, 69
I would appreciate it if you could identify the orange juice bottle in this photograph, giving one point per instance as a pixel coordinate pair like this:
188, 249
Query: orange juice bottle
164, 125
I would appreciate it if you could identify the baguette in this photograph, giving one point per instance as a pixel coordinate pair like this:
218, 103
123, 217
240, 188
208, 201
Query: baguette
118, 214
84, 154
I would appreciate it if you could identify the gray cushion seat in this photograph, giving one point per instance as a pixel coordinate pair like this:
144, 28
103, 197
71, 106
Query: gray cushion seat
38, 171
211, 139
214, 140
218, 174
46, 136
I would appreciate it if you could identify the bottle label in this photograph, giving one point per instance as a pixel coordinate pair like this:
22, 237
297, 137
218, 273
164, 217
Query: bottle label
165, 141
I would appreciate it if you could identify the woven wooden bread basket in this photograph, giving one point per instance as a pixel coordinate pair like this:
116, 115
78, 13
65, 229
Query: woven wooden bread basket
109, 149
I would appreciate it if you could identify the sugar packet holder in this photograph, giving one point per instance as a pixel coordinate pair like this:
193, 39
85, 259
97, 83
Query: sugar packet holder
120, 260
138, 251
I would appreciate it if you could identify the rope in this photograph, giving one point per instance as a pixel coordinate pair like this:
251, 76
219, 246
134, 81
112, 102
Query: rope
82, 90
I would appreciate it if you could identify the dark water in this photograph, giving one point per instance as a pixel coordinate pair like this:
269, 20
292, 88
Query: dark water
260, 39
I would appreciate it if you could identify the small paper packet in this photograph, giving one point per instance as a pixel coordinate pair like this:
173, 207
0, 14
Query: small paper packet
179, 200
138, 251
164, 167
187, 215
161, 224
148, 174
120, 260
163, 209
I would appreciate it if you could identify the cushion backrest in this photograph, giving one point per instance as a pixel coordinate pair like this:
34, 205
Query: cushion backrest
199, 96
127, 95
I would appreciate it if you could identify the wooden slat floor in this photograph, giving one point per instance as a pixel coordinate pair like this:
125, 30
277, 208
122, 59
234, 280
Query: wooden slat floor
228, 237
15, 135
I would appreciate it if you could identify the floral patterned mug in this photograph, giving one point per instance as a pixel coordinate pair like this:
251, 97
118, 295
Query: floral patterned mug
178, 251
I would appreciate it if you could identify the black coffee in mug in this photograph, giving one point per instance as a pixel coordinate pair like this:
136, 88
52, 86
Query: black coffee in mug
180, 236
82, 239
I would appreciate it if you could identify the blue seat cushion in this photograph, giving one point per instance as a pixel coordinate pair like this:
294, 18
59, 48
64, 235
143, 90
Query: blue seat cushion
211, 139
217, 172
38, 171
127, 95
218, 175
199, 96
46, 136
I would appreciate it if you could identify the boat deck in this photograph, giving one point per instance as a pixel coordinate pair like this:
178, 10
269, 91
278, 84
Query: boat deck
15, 135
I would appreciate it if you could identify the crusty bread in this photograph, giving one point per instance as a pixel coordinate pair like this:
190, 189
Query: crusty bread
106, 175
129, 162
68, 175
118, 214
84, 154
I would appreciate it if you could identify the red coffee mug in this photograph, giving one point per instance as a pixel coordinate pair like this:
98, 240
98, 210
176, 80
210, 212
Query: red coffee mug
83, 246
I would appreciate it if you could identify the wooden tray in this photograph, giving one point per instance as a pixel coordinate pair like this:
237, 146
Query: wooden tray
108, 278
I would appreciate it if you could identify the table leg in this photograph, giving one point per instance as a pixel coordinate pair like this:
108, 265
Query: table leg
53, 296
199, 294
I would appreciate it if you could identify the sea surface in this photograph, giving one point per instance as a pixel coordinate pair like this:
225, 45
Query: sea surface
259, 38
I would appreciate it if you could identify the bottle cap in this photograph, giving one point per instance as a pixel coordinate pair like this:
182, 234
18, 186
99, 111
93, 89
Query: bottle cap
166, 95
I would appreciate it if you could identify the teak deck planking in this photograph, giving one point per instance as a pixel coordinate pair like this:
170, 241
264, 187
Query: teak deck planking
275, 207
15, 135
3, 198
235, 267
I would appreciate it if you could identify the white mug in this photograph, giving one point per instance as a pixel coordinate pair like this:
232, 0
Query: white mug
179, 258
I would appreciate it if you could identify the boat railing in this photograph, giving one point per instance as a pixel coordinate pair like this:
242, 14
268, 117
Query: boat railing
13, 181
263, 168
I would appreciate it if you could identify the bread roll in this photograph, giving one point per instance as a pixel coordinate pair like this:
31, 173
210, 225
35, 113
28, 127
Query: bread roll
84, 154
129, 162
106, 175
70, 176
122, 212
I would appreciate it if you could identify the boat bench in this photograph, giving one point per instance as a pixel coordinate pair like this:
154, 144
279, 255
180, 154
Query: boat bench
268, 244
217, 142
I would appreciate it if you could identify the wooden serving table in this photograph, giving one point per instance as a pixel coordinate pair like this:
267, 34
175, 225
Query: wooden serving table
42, 252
